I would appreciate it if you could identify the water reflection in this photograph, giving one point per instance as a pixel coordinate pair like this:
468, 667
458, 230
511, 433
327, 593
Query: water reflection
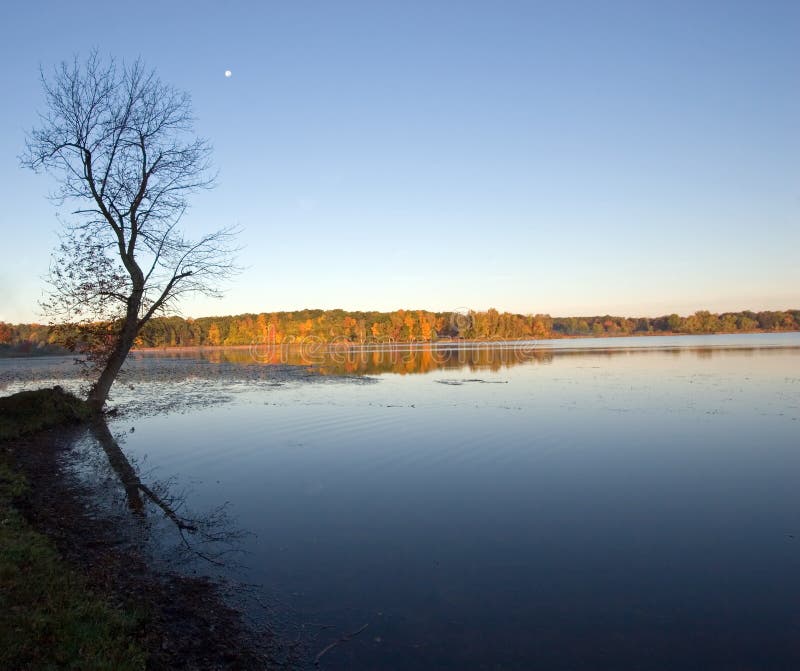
264, 362
210, 536
420, 359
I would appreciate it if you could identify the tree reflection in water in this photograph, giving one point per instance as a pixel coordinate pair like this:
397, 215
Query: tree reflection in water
210, 536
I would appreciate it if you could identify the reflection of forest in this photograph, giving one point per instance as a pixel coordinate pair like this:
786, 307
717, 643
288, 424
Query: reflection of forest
270, 363
404, 359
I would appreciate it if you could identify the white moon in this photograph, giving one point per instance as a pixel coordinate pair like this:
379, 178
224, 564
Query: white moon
228, 73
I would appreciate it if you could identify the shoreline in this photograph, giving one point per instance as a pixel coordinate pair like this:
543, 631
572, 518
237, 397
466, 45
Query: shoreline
162, 619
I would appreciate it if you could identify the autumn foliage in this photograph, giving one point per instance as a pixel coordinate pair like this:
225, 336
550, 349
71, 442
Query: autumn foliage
329, 326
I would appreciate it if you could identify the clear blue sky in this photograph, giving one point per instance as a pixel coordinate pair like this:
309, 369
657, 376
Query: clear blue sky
562, 157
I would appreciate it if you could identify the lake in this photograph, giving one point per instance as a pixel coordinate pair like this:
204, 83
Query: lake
626, 503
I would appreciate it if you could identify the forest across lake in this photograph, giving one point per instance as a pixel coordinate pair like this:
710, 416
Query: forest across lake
340, 326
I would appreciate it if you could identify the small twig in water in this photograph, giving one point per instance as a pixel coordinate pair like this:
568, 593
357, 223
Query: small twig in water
343, 639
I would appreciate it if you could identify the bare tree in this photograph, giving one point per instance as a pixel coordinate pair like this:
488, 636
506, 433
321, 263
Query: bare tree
121, 145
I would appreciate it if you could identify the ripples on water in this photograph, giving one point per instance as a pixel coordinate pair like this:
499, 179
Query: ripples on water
518, 508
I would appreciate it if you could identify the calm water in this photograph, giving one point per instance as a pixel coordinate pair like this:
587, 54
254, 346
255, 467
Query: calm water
598, 508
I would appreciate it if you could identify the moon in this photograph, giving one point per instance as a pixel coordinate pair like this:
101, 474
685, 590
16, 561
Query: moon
228, 73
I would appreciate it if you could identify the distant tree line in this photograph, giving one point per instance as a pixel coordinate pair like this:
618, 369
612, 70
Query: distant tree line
401, 326
700, 322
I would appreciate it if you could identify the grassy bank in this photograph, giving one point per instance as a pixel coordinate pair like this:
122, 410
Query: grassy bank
49, 617
27, 412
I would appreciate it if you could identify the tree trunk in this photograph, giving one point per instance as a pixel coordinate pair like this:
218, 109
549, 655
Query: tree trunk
98, 394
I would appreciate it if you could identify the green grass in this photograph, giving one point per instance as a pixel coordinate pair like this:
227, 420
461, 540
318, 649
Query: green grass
49, 617
30, 411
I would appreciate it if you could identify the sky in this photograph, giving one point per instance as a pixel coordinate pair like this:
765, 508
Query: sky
636, 158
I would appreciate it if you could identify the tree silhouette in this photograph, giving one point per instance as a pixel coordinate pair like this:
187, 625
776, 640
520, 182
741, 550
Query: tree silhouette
121, 145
